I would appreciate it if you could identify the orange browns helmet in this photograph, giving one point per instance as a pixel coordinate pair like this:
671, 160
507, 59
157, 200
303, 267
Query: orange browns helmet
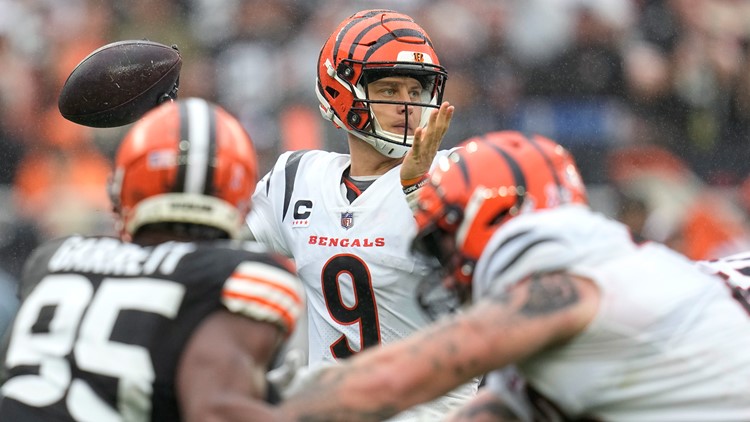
366, 46
187, 161
482, 185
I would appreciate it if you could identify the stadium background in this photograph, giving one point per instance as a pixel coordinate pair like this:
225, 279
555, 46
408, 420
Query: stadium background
652, 97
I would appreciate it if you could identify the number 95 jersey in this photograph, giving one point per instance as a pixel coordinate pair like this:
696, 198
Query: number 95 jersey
103, 323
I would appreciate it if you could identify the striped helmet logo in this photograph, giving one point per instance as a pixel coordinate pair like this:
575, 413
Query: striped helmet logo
384, 39
196, 150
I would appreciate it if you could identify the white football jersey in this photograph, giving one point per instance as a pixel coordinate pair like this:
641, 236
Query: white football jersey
733, 268
669, 342
355, 259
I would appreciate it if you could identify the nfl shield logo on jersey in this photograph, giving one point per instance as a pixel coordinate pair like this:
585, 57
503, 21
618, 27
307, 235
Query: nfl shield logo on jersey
347, 220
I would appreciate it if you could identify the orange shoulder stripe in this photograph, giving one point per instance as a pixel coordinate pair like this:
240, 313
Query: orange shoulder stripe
256, 279
281, 311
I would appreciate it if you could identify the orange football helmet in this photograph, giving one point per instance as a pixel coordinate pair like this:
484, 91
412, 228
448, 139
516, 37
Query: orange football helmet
366, 46
187, 161
480, 186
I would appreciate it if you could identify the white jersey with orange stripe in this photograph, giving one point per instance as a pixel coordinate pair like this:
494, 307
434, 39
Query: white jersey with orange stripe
354, 258
668, 343
128, 312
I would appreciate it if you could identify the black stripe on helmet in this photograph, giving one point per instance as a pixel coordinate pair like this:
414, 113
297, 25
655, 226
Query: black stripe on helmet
548, 161
211, 161
183, 148
340, 37
519, 179
196, 149
394, 36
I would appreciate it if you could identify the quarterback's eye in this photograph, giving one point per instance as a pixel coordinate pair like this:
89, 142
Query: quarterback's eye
387, 92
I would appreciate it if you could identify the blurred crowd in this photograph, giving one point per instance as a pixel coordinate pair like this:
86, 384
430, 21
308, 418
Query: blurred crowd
651, 96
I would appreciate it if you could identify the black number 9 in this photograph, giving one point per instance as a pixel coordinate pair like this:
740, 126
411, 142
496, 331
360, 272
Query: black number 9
363, 311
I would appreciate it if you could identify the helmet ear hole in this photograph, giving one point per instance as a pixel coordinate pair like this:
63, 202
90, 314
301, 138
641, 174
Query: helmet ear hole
502, 215
332, 92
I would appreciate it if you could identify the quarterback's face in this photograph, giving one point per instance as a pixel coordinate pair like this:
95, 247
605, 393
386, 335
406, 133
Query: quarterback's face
396, 118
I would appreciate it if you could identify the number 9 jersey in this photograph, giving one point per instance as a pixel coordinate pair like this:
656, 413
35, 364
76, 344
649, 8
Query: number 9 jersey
354, 258
103, 323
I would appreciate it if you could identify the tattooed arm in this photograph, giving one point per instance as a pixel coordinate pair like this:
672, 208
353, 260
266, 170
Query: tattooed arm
539, 312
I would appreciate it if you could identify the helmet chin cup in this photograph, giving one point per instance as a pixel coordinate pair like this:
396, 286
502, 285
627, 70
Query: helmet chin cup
390, 144
386, 148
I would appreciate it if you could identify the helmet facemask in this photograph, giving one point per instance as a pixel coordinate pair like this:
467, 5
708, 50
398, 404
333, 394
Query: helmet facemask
362, 122
430, 98
478, 188
442, 291
368, 46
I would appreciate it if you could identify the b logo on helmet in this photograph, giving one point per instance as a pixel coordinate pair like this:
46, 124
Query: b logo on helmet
414, 57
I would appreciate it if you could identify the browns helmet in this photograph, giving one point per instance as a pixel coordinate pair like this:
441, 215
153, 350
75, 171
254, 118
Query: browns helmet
188, 162
369, 45
484, 183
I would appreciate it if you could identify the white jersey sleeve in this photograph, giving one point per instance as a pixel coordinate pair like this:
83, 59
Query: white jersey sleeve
273, 189
668, 342
570, 237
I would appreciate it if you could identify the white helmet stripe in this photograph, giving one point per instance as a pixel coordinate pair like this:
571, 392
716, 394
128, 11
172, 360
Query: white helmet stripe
198, 117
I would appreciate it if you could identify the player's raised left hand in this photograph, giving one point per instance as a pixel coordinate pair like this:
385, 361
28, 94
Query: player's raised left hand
427, 140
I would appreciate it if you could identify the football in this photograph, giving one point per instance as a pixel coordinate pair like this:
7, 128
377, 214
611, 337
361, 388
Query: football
118, 83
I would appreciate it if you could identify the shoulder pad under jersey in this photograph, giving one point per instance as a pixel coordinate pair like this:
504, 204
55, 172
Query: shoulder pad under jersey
565, 238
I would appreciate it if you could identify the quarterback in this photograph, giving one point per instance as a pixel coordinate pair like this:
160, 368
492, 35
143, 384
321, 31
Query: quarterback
343, 218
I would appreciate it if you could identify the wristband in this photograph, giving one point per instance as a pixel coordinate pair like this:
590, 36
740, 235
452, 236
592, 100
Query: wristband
411, 185
412, 181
